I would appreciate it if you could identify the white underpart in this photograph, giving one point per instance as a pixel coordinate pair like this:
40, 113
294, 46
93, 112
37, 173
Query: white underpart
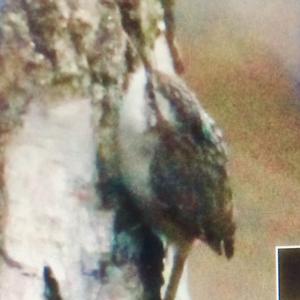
50, 174
137, 144
136, 140
162, 58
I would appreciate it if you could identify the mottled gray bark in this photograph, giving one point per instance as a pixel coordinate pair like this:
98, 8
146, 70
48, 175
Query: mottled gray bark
65, 66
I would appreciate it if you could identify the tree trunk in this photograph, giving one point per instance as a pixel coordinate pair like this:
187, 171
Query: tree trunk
65, 66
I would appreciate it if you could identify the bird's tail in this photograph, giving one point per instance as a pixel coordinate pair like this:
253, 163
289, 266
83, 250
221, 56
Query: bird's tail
219, 235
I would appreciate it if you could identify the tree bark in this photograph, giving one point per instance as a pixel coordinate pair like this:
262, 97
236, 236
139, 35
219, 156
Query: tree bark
65, 66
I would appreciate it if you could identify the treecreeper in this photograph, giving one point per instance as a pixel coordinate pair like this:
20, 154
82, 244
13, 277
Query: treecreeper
167, 150
173, 163
173, 157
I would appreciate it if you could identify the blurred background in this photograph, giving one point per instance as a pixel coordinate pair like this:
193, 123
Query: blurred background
242, 58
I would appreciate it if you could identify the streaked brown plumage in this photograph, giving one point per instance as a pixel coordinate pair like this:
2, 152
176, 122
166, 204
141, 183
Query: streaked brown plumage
190, 195
188, 170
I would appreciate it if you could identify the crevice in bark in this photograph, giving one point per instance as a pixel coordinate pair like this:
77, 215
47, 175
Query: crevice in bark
36, 23
131, 21
135, 242
132, 25
51, 291
8, 260
151, 264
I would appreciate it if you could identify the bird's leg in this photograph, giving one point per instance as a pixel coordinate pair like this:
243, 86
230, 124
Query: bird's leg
179, 257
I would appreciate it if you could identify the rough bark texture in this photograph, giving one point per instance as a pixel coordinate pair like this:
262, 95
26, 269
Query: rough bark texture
65, 65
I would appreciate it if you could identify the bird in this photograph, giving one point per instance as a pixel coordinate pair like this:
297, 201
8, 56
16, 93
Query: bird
173, 160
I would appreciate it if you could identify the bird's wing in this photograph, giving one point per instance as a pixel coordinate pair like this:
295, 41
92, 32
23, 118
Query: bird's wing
189, 168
